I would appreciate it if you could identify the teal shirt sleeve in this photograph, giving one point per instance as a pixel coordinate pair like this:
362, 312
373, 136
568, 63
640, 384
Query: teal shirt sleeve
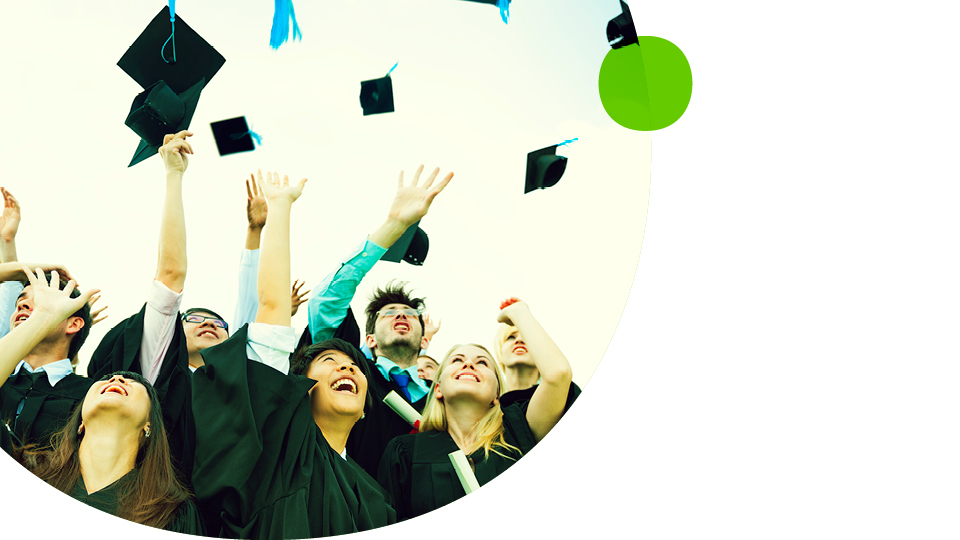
247, 302
328, 306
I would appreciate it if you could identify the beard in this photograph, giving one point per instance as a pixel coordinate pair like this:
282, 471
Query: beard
401, 350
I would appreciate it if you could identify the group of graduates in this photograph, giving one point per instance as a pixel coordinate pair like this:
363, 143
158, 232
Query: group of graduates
183, 425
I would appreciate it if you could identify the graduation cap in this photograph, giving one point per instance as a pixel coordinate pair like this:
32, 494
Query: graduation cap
544, 168
376, 96
170, 52
411, 247
620, 30
233, 136
157, 111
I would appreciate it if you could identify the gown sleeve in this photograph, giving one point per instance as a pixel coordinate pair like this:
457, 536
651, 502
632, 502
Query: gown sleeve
187, 520
394, 475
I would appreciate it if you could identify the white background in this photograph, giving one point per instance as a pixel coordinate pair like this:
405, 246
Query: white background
786, 365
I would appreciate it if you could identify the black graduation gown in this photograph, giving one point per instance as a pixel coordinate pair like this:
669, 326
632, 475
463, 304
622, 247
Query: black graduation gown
186, 520
119, 350
46, 409
379, 425
523, 396
417, 472
262, 465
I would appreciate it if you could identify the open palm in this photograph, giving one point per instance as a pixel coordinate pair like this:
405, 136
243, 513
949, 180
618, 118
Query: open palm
412, 202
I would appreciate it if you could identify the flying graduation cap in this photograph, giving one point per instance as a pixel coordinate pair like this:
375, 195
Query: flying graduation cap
171, 52
411, 247
376, 95
545, 167
620, 30
233, 136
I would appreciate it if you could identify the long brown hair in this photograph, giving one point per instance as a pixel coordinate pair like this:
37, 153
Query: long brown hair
156, 494
488, 432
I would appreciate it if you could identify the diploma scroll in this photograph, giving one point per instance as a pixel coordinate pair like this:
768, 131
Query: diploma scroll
464, 472
401, 407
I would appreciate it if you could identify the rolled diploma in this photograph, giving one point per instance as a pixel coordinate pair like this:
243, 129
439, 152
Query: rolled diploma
401, 407
467, 479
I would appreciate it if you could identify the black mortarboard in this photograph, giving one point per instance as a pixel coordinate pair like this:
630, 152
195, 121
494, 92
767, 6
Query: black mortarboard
158, 111
232, 136
620, 30
411, 247
544, 168
151, 57
376, 96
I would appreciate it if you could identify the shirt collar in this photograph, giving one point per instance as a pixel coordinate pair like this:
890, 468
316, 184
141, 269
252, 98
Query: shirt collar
387, 366
56, 371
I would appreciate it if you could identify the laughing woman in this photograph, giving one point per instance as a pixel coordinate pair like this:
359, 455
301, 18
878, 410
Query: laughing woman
463, 412
270, 460
113, 453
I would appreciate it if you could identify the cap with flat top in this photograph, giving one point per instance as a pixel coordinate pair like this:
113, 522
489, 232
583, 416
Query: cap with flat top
158, 111
411, 247
376, 96
544, 168
180, 61
621, 30
232, 136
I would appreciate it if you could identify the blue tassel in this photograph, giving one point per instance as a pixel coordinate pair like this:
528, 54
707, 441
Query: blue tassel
239, 136
171, 6
504, 6
282, 15
568, 141
393, 68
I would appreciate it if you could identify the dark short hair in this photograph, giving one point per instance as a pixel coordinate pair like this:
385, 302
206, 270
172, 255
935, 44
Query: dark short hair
193, 310
304, 356
393, 293
84, 313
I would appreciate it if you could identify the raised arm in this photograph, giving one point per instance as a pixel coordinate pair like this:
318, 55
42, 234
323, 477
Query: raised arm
273, 276
549, 399
172, 258
328, 306
51, 306
246, 311
9, 225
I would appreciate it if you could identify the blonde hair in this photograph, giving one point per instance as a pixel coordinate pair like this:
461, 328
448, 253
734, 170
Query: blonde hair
488, 434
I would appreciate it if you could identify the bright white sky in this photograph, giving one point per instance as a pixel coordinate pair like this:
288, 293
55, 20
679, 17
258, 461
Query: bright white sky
472, 95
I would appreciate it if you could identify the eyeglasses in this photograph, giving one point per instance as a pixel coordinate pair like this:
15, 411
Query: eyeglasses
200, 318
392, 312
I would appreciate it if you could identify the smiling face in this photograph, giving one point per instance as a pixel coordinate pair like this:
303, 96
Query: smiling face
341, 387
202, 335
119, 397
468, 373
513, 350
426, 368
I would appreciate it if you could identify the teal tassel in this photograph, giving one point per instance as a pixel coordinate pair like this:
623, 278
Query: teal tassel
257, 138
568, 141
504, 6
171, 6
282, 16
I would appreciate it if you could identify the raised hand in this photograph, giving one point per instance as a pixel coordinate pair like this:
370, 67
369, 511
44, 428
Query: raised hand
430, 328
95, 313
412, 202
256, 205
297, 297
174, 151
511, 307
10, 220
274, 191
50, 300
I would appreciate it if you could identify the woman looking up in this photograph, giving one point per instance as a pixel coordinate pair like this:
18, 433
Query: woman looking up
464, 412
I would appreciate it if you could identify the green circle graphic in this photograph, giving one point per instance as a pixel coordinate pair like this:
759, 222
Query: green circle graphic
646, 86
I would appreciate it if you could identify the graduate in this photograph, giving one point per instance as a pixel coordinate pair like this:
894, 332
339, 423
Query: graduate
112, 453
520, 375
270, 459
41, 390
464, 412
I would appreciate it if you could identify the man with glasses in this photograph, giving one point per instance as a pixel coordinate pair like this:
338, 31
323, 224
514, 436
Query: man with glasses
394, 326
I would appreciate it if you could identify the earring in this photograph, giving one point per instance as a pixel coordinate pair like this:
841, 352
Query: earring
80, 431
146, 429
